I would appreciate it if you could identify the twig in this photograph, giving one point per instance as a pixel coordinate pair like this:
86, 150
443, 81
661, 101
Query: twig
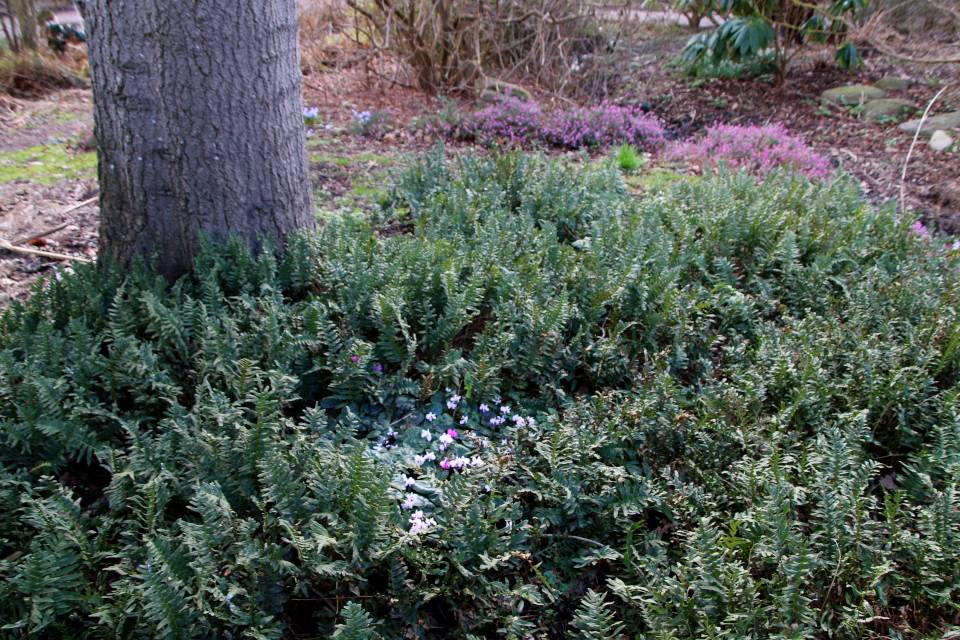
41, 234
37, 236
835, 574
5, 244
579, 539
903, 176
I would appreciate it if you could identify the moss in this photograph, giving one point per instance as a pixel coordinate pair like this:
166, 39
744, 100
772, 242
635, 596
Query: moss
349, 160
46, 164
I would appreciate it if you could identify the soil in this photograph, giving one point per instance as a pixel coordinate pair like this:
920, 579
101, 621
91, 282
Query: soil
347, 170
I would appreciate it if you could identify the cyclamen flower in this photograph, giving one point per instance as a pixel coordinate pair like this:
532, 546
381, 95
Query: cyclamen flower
410, 502
519, 421
446, 439
486, 488
430, 455
452, 433
407, 480
463, 420
484, 408
451, 405
504, 409
377, 368
476, 461
445, 464
431, 417
531, 421
418, 522
426, 435
313, 112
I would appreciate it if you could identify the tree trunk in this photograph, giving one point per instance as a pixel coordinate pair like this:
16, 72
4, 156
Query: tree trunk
26, 15
199, 125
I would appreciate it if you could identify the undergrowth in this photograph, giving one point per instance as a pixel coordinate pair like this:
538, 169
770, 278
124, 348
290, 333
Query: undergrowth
745, 423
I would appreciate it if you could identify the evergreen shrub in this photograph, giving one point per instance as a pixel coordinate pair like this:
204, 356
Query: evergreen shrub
744, 402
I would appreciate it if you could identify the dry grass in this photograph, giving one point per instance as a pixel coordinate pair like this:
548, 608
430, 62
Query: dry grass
35, 75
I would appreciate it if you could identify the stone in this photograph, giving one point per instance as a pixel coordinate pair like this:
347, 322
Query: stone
854, 94
892, 83
943, 121
887, 107
940, 140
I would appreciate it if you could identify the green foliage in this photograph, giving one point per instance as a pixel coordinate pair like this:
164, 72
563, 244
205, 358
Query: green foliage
747, 422
628, 159
769, 33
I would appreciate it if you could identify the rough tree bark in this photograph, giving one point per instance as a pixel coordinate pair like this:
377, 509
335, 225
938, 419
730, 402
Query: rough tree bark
199, 125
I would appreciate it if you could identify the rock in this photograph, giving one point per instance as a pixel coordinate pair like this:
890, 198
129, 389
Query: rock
892, 83
931, 124
940, 140
887, 107
854, 94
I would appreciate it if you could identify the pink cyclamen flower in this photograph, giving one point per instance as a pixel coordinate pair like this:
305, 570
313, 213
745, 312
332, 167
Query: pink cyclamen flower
445, 464
452, 433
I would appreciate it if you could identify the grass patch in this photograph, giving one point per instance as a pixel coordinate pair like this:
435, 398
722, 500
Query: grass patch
46, 164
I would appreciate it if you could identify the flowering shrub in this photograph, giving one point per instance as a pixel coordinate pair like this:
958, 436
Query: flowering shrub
515, 121
757, 149
601, 126
507, 121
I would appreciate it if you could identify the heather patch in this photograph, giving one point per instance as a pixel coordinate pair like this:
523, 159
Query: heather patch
759, 150
512, 121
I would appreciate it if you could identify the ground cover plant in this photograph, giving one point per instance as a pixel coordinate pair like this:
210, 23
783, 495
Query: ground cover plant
543, 409
514, 121
758, 150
